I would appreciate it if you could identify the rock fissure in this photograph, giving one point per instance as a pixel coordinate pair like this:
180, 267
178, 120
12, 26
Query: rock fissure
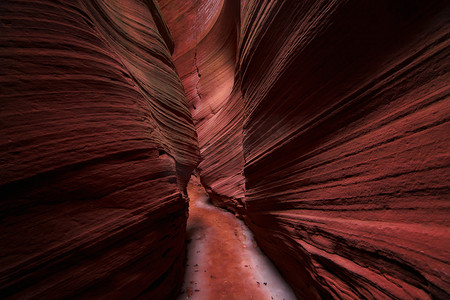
198, 76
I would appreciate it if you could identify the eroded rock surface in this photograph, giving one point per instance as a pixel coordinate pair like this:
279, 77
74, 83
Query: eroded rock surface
322, 124
206, 39
346, 146
344, 134
95, 133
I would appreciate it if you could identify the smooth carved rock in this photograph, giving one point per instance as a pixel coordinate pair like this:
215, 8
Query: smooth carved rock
206, 35
95, 132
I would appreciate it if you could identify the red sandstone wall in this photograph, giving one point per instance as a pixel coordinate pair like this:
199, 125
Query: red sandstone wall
346, 144
206, 37
95, 132
344, 137
323, 124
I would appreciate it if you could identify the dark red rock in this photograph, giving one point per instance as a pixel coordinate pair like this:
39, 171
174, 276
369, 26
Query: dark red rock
346, 145
94, 133
323, 124
345, 120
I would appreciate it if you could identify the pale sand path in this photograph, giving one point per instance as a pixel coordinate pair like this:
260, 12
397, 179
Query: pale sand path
223, 259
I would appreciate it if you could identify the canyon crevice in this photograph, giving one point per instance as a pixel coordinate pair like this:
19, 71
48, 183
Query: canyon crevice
323, 125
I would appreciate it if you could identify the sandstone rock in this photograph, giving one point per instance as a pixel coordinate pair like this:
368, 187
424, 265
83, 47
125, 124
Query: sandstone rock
206, 37
322, 124
346, 144
95, 132
344, 137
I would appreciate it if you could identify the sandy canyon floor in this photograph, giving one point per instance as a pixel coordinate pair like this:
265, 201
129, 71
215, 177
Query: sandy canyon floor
223, 260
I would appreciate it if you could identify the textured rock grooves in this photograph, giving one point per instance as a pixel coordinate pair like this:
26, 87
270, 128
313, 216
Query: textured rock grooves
95, 132
205, 56
346, 144
322, 124
334, 116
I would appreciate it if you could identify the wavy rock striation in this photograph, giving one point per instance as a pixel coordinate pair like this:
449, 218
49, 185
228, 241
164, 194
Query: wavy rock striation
323, 124
206, 36
97, 144
339, 110
346, 146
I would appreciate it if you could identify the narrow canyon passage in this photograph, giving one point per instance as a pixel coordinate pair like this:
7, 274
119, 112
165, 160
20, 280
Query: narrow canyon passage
223, 260
317, 128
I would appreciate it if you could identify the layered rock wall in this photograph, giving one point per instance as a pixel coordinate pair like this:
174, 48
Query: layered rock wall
97, 143
346, 144
323, 124
206, 39
344, 137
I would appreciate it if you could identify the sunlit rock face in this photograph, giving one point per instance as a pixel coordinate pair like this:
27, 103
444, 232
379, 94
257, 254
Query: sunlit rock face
97, 142
339, 110
206, 39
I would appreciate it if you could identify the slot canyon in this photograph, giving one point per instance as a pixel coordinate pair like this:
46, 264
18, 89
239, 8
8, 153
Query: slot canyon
136, 134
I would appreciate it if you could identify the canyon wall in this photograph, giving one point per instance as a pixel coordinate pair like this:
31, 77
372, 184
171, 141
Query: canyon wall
329, 137
206, 36
346, 144
97, 144
323, 124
